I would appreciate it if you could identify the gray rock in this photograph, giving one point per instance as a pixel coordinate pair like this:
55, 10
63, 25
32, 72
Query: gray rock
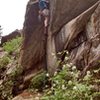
74, 25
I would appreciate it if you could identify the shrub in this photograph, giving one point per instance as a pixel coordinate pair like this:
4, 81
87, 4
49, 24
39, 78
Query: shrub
11, 79
38, 81
12, 45
6, 88
65, 86
4, 61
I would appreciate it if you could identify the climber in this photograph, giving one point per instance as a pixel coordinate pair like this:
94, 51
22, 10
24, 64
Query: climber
44, 11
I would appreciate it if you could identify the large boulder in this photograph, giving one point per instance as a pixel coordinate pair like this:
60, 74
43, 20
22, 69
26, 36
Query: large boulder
88, 53
11, 36
74, 37
33, 48
72, 24
64, 11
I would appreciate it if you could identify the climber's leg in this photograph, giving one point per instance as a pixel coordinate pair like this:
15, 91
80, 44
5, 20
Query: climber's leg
46, 21
46, 17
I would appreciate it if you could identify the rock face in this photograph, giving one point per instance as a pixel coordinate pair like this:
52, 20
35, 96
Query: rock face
34, 47
75, 26
12, 35
79, 37
70, 9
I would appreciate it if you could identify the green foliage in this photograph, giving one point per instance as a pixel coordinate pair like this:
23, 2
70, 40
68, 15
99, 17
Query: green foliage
10, 79
4, 61
6, 90
65, 85
38, 81
12, 45
16, 72
7, 86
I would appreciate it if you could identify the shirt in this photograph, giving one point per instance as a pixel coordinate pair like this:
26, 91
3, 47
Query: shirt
43, 4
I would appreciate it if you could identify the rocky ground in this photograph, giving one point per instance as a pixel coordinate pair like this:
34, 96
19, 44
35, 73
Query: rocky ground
28, 96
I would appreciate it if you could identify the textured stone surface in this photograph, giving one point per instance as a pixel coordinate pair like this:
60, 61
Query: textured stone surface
10, 36
88, 53
93, 39
81, 37
71, 30
78, 21
33, 49
64, 11
75, 34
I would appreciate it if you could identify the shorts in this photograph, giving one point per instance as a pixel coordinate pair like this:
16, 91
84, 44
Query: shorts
45, 12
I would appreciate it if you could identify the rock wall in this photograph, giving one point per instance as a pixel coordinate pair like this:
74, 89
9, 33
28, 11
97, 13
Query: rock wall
34, 47
79, 37
82, 38
11, 36
73, 32
74, 25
